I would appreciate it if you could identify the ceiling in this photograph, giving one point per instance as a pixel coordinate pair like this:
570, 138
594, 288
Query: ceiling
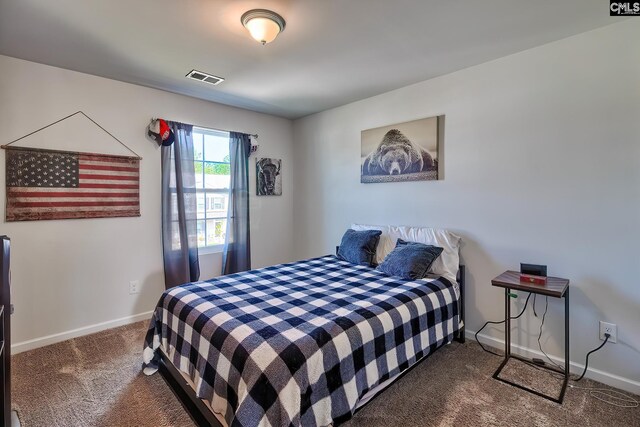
332, 51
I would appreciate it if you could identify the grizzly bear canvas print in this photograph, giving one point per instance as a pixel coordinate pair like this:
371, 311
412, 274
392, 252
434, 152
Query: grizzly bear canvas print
401, 152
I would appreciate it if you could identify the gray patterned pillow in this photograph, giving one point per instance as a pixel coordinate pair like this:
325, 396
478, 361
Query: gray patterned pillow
410, 260
359, 247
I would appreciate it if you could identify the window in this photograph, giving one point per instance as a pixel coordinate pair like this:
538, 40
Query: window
216, 203
211, 157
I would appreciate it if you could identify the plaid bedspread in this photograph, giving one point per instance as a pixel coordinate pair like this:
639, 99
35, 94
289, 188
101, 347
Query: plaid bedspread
298, 344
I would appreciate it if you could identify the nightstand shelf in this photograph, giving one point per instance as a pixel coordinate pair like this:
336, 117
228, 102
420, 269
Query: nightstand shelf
555, 287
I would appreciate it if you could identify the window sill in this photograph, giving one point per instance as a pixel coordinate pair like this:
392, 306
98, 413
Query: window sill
216, 249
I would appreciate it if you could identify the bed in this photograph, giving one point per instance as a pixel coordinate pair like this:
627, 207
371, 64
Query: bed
303, 344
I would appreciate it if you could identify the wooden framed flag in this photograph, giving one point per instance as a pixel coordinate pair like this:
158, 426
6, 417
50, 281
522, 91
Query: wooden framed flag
49, 184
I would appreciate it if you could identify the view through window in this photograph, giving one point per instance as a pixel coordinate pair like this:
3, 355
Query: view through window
211, 157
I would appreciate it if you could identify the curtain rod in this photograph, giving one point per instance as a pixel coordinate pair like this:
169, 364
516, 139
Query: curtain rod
255, 135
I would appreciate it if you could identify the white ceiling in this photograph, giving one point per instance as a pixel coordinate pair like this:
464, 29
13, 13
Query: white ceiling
332, 51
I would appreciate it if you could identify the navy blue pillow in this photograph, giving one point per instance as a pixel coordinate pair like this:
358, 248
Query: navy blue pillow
359, 247
410, 260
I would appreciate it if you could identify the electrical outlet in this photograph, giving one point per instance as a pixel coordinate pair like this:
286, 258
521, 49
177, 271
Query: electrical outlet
611, 329
134, 287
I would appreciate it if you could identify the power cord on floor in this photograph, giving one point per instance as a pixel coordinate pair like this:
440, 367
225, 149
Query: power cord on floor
607, 395
586, 363
611, 397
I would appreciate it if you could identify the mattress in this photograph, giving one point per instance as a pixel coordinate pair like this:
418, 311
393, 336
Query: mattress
300, 343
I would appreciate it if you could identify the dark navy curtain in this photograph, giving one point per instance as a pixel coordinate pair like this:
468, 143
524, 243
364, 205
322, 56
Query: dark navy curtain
237, 247
179, 209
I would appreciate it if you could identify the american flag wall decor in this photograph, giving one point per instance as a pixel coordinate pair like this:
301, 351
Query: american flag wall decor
48, 184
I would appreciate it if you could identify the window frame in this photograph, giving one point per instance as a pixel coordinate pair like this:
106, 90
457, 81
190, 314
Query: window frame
209, 191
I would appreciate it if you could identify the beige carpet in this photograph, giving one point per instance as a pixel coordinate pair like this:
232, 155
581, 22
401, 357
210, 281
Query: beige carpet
97, 381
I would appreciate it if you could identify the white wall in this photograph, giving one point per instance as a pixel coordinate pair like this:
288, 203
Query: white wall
73, 274
542, 165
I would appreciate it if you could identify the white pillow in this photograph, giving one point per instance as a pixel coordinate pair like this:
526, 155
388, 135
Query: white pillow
445, 265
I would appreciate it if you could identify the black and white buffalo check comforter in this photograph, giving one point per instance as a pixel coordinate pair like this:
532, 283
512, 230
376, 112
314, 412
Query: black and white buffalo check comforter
298, 344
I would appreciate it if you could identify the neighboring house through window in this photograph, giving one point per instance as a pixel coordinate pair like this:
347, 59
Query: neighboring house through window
211, 157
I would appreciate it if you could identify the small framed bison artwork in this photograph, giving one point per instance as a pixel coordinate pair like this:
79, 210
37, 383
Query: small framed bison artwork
401, 152
269, 177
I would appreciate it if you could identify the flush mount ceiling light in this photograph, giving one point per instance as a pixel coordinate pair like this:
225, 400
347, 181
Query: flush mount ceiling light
263, 25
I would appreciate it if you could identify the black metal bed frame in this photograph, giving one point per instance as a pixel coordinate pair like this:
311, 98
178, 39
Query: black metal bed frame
203, 416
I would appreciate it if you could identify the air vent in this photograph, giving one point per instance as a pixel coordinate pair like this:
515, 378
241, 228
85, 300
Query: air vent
204, 77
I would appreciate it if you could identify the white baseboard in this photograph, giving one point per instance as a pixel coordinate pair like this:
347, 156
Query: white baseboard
74, 333
575, 368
